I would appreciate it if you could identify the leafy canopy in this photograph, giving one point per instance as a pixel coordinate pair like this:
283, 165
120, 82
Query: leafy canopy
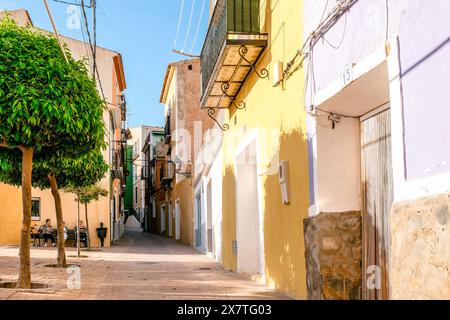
79, 172
45, 103
89, 193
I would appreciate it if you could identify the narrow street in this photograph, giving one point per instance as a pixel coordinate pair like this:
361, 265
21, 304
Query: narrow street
140, 266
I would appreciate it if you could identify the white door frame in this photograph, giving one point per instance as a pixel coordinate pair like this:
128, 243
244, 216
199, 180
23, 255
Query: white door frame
251, 137
170, 219
177, 219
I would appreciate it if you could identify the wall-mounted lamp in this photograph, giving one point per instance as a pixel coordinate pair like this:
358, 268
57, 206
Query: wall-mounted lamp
177, 162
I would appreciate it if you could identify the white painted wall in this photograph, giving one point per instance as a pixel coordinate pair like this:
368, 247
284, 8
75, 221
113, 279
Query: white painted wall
338, 165
215, 176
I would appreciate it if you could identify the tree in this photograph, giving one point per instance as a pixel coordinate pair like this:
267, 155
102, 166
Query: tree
55, 173
86, 195
47, 105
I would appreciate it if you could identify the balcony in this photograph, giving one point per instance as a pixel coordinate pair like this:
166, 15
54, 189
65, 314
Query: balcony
233, 45
167, 172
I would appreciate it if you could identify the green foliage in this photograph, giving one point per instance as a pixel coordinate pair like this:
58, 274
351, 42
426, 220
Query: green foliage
89, 193
84, 171
46, 103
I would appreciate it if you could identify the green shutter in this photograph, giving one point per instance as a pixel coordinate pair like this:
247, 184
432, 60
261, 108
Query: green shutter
255, 16
243, 16
230, 13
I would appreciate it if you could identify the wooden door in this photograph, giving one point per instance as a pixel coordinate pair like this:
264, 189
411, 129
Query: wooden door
377, 191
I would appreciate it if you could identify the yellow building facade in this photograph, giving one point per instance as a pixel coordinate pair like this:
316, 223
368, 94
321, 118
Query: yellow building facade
262, 233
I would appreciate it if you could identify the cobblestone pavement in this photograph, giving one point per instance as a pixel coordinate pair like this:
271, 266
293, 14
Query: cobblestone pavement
140, 266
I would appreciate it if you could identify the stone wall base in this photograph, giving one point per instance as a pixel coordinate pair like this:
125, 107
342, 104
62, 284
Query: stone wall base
333, 256
420, 249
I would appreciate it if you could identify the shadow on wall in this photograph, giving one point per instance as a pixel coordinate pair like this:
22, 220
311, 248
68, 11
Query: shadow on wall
229, 260
284, 252
283, 224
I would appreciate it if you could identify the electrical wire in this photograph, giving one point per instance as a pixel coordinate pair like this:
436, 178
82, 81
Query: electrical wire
202, 10
179, 24
120, 44
88, 33
189, 25
70, 3
88, 53
95, 71
341, 7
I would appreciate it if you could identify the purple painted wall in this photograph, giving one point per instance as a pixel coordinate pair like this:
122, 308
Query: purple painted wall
424, 41
423, 30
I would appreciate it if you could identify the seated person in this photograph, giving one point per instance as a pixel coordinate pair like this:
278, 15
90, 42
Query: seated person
47, 232
65, 231
83, 234
35, 235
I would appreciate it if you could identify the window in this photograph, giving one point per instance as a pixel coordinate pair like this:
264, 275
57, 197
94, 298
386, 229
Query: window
36, 209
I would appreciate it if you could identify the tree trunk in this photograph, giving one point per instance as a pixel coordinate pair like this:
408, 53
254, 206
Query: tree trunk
78, 227
24, 281
62, 263
88, 239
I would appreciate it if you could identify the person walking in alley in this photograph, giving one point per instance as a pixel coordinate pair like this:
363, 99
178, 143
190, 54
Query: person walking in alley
47, 232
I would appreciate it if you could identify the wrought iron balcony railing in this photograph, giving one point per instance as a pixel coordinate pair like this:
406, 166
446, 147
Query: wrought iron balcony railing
233, 45
230, 16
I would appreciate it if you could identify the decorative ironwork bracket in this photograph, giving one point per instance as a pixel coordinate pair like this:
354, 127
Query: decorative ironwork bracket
225, 87
211, 113
263, 74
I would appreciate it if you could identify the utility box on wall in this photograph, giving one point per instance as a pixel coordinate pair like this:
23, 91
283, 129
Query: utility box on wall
283, 174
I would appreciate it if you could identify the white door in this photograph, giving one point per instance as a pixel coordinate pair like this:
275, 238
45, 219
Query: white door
249, 244
177, 220
170, 220
163, 219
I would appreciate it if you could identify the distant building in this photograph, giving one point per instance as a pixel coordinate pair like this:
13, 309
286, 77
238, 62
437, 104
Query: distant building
137, 142
154, 151
184, 128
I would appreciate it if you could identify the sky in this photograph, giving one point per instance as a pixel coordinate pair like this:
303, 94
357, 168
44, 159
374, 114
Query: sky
143, 31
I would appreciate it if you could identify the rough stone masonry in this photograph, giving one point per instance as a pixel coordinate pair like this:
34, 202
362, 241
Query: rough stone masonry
333, 245
420, 248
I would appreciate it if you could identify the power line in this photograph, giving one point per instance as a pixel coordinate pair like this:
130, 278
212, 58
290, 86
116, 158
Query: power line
71, 3
88, 54
89, 35
55, 30
119, 42
179, 24
198, 26
189, 25
95, 69
94, 27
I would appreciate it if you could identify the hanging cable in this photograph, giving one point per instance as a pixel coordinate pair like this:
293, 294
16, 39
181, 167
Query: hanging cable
179, 24
94, 28
95, 71
189, 26
70, 3
341, 7
198, 26
130, 58
56, 31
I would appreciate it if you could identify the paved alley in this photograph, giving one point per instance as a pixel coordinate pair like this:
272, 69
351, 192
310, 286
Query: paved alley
140, 266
